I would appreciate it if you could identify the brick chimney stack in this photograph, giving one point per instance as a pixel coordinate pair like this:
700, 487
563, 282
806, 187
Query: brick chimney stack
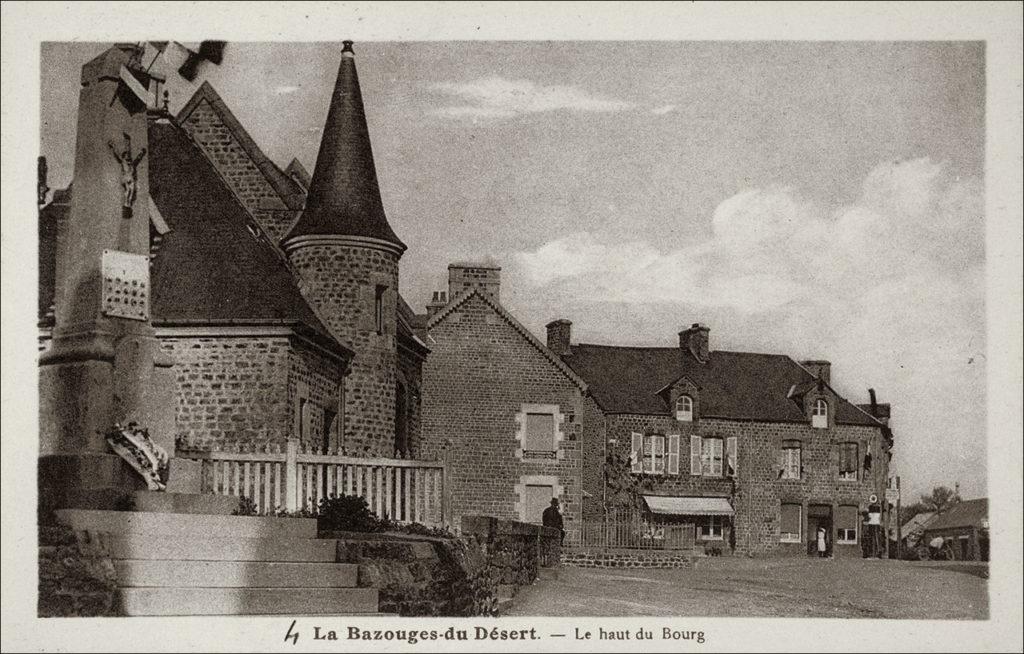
820, 369
559, 335
696, 341
438, 302
483, 275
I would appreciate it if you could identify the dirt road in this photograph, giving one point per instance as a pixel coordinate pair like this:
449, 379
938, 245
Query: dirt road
734, 587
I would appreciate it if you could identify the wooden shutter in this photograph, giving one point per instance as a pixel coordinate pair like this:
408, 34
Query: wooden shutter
637, 456
658, 455
695, 459
673, 454
730, 454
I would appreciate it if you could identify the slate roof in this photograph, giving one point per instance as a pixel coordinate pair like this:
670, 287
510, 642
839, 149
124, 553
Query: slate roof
968, 513
215, 266
737, 385
344, 195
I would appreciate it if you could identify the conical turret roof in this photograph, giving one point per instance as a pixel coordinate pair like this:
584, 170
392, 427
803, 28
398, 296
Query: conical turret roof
344, 196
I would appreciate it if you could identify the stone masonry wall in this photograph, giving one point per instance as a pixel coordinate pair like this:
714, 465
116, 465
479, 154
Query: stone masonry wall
73, 581
594, 444
757, 493
411, 368
317, 378
478, 375
244, 178
341, 282
229, 390
605, 558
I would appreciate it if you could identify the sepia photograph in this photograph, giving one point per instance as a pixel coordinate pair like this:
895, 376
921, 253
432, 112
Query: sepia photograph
353, 328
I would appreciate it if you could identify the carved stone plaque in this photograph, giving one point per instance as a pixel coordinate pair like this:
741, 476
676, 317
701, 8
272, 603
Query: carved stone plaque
125, 285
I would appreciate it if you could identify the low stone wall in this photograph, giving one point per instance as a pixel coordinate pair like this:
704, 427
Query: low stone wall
622, 558
453, 577
73, 580
516, 550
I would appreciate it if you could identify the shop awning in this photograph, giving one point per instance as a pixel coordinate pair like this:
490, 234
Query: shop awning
662, 505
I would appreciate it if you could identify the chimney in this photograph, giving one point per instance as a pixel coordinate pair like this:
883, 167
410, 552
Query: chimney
464, 276
438, 302
695, 341
820, 369
559, 334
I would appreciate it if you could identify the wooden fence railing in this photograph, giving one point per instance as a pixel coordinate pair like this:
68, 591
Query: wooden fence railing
631, 535
296, 478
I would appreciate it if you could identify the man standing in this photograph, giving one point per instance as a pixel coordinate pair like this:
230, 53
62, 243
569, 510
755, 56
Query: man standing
552, 517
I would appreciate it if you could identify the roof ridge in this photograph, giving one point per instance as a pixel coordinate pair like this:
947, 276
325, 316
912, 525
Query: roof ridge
270, 170
564, 368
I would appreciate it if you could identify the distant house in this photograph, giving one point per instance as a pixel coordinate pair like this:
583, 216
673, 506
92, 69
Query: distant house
913, 528
967, 524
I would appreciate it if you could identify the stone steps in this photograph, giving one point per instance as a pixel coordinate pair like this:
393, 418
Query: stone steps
150, 502
245, 601
183, 524
234, 574
213, 548
170, 563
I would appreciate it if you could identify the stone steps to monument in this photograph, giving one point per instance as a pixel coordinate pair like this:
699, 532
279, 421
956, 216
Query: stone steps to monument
135, 573
246, 601
185, 524
213, 548
150, 502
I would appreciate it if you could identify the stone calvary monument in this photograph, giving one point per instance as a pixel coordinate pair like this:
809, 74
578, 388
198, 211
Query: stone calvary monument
104, 367
108, 544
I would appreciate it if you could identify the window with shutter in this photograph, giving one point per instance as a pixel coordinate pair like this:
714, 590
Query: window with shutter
791, 522
673, 454
731, 452
540, 433
791, 462
654, 454
846, 522
848, 462
636, 457
712, 457
695, 455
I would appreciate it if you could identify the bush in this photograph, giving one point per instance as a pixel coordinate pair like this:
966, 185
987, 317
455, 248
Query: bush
347, 513
247, 507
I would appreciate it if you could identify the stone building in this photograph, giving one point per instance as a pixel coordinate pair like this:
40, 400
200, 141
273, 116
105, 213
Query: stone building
275, 294
505, 411
755, 450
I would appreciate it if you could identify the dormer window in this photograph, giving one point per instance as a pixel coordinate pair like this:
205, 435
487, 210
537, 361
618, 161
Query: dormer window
819, 415
684, 408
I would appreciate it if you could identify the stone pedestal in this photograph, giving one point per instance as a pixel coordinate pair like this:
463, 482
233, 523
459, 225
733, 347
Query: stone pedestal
104, 365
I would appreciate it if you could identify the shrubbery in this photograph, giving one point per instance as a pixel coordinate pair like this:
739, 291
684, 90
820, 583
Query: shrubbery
346, 513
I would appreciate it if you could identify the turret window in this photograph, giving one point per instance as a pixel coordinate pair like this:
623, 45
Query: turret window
819, 415
378, 309
684, 408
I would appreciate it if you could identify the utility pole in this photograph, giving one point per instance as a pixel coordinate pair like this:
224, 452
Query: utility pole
899, 521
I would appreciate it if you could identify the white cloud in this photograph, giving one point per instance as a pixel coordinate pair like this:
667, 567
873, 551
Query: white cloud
890, 288
664, 109
497, 97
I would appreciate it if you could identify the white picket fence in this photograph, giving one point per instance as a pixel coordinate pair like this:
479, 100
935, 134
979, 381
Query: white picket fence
297, 478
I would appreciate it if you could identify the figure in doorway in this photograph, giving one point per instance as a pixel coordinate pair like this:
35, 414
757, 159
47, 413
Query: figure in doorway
822, 543
552, 517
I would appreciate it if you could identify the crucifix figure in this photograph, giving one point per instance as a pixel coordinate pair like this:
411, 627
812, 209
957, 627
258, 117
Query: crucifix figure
129, 170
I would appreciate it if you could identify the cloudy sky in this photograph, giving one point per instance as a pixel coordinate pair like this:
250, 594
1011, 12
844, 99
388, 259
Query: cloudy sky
823, 200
